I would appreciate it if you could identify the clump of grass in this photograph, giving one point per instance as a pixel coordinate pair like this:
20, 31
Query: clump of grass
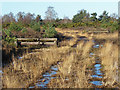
109, 57
107, 36
86, 47
65, 69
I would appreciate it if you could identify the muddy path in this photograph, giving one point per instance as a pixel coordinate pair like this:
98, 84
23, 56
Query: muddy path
97, 70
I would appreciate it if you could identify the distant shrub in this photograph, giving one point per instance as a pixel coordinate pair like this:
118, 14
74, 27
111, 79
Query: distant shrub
114, 26
4, 25
62, 26
77, 24
69, 25
32, 23
24, 30
16, 27
36, 27
49, 31
8, 36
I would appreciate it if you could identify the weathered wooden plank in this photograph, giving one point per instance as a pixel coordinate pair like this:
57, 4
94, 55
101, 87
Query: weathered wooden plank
48, 39
25, 39
49, 43
37, 43
41, 39
99, 31
29, 43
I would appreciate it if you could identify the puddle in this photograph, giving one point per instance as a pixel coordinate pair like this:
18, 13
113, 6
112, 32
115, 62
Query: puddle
42, 83
97, 83
97, 46
1, 79
92, 54
1, 71
97, 74
20, 57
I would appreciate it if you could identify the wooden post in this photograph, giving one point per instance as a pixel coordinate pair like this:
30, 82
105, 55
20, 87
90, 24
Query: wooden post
16, 43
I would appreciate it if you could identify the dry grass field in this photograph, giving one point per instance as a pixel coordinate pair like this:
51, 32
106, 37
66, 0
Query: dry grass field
76, 64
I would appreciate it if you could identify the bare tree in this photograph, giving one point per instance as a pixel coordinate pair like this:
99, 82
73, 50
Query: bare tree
114, 15
20, 16
5, 19
8, 18
12, 18
28, 18
50, 14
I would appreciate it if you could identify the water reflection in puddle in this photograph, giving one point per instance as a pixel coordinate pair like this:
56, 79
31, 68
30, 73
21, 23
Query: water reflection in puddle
42, 83
20, 57
97, 46
97, 69
1, 71
92, 54
97, 83
1, 79
97, 75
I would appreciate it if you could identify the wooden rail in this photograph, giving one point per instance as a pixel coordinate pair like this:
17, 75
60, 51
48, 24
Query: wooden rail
106, 31
36, 41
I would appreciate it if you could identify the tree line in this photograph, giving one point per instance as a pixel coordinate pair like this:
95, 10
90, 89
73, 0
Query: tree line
82, 18
21, 23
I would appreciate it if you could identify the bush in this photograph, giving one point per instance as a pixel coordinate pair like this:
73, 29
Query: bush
62, 26
4, 25
8, 36
36, 27
49, 31
24, 30
32, 23
16, 27
114, 26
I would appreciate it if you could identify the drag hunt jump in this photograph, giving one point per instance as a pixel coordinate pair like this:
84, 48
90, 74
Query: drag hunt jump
36, 41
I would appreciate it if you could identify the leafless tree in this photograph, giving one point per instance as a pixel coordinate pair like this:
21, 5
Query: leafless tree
50, 14
114, 16
8, 18
11, 16
28, 18
20, 16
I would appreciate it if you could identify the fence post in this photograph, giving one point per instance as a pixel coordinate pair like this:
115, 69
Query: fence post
16, 43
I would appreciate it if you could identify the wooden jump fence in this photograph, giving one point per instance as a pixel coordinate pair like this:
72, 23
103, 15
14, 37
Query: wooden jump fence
36, 41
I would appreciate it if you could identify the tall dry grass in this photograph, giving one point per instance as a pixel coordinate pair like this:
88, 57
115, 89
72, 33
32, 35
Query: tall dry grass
74, 63
26, 70
106, 36
109, 58
72, 71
